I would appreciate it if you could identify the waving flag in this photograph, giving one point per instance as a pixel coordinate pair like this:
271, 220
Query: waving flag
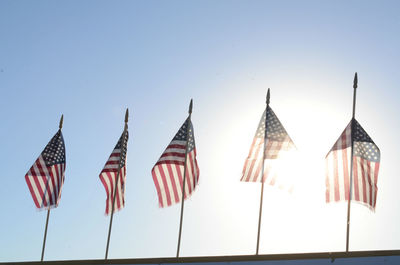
366, 157
46, 176
169, 170
109, 175
277, 142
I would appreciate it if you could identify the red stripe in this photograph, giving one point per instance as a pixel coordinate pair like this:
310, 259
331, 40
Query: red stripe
36, 176
336, 175
117, 203
253, 161
176, 146
346, 174
180, 177
257, 173
327, 184
170, 162
376, 169
52, 191
197, 166
173, 154
273, 177
47, 190
111, 162
110, 195
355, 180
174, 186
28, 181
164, 179
160, 201
189, 174
364, 184
370, 181
250, 152
114, 170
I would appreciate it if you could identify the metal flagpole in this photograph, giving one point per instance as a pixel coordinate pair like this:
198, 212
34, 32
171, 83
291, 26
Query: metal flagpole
262, 172
184, 179
48, 209
351, 163
116, 181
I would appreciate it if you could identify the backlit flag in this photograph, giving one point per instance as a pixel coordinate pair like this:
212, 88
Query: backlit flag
46, 176
366, 157
108, 175
278, 142
169, 169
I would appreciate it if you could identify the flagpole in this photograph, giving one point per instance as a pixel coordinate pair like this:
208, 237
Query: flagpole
355, 82
48, 209
262, 173
116, 181
184, 179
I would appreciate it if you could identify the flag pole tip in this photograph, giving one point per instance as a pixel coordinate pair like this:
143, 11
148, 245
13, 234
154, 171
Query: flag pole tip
355, 81
268, 96
61, 121
191, 106
126, 115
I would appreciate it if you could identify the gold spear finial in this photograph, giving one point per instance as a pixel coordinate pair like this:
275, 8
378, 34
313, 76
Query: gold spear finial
355, 81
191, 106
61, 121
126, 115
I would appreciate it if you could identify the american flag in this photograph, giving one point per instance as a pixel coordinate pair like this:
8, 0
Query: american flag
108, 175
278, 141
366, 157
168, 172
46, 176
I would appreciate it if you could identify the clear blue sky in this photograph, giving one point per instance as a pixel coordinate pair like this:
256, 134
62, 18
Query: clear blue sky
91, 59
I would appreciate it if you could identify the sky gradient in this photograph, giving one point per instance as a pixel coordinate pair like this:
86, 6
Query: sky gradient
89, 60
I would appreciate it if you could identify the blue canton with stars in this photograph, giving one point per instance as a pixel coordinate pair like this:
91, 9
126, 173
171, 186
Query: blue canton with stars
54, 152
275, 130
183, 133
364, 147
124, 148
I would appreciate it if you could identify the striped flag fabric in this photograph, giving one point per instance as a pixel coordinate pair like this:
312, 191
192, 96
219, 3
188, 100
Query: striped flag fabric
366, 160
46, 176
168, 172
109, 175
277, 143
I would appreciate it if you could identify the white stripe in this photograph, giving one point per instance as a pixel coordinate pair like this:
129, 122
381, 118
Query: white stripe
42, 186
189, 174
169, 184
172, 158
252, 156
330, 166
186, 180
175, 150
31, 179
56, 174
119, 187
108, 183
374, 190
113, 158
340, 175
195, 177
50, 188
359, 177
178, 142
177, 183
365, 176
161, 185
60, 178
111, 166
